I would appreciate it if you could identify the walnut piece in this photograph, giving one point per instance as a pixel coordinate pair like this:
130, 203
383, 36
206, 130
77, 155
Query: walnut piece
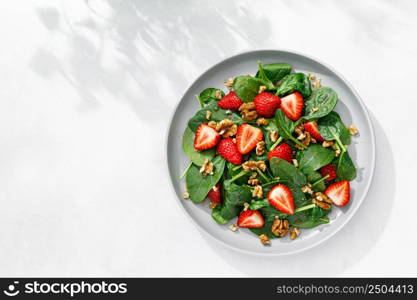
213, 204
212, 124
233, 227
353, 130
245, 206
252, 165
264, 239
273, 135
229, 83
316, 83
253, 181
218, 95
295, 163
307, 189
322, 201
262, 89
185, 195
257, 192
248, 111
262, 122
260, 148
280, 227
207, 168
294, 233
208, 114
327, 144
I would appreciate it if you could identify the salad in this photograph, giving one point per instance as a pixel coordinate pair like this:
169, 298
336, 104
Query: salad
271, 152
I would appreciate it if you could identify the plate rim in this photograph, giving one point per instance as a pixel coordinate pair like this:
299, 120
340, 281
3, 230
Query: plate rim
372, 144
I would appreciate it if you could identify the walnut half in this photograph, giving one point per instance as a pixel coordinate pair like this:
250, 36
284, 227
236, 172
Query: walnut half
280, 227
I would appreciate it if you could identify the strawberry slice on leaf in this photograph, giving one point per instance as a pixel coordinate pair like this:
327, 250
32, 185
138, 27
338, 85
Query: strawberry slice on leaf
205, 137
281, 198
247, 137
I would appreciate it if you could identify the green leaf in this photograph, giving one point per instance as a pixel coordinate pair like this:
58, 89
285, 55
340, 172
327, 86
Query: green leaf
295, 82
276, 71
217, 114
261, 74
247, 87
217, 215
259, 204
345, 168
288, 172
313, 177
197, 157
314, 157
286, 127
331, 127
198, 185
209, 95
321, 102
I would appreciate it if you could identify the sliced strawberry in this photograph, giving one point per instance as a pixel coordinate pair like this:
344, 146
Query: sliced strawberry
283, 151
328, 170
292, 105
339, 192
247, 137
214, 194
205, 137
230, 101
228, 150
312, 128
250, 219
266, 104
281, 198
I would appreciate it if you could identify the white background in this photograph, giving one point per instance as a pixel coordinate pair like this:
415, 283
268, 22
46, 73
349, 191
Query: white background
87, 89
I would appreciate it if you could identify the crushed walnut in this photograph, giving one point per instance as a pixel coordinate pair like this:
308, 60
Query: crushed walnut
315, 109
207, 168
295, 163
273, 135
260, 148
229, 83
280, 227
322, 201
252, 165
213, 204
327, 144
258, 192
186, 195
353, 130
248, 111
218, 95
253, 180
225, 127
262, 89
264, 239
307, 189
208, 114
262, 122
233, 227
245, 206
303, 136
316, 83
337, 152
294, 233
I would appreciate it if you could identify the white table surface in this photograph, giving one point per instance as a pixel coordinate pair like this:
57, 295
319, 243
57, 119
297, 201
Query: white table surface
86, 95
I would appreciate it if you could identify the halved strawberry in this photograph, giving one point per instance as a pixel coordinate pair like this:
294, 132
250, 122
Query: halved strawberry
283, 151
312, 128
281, 198
328, 170
266, 104
228, 150
339, 192
205, 137
230, 101
247, 137
292, 105
214, 194
250, 219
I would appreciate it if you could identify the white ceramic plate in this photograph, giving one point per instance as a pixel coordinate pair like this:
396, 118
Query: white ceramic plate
352, 111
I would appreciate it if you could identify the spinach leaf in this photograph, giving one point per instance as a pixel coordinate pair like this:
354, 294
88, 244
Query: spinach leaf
233, 170
315, 157
297, 194
197, 157
318, 212
295, 82
310, 223
198, 185
234, 198
269, 84
345, 167
209, 95
324, 99
314, 177
247, 87
306, 220
259, 204
276, 71
217, 114
286, 127
288, 172
331, 127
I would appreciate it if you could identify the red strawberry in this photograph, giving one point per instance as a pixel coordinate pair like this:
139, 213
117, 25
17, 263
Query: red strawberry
228, 150
247, 137
312, 128
281, 198
214, 194
339, 192
230, 101
205, 137
292, 105
328, 170
283, 151
250, 219
266, 104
